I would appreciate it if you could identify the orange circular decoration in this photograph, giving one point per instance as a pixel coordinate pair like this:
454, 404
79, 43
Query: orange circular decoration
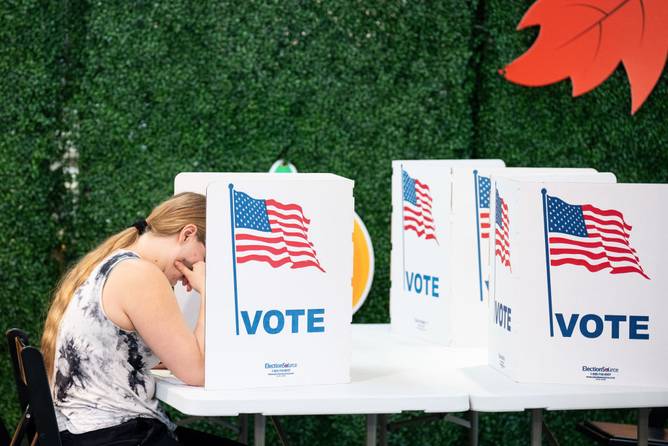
363, 263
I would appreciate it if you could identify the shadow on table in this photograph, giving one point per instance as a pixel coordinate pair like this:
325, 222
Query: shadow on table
371, 373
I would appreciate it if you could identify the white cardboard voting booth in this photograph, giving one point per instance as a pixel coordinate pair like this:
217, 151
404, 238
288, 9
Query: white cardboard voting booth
584, 301
421, 246
279, 270
472, 225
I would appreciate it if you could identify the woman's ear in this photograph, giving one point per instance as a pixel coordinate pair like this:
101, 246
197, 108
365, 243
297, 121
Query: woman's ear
189, 231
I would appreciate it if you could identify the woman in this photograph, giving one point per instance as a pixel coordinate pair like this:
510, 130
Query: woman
114, 316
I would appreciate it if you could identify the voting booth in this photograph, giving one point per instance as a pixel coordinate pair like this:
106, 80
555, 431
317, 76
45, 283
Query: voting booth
472, 225
421, 288
584, 301
279, 271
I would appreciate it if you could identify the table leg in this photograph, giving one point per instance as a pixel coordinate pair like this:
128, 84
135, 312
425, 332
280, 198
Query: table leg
259, 430
243, 428
643, 426
473, 430
536, 427
382, 427
371, 428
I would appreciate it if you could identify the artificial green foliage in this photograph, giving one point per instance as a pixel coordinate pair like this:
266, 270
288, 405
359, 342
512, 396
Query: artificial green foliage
30, 76
145, 90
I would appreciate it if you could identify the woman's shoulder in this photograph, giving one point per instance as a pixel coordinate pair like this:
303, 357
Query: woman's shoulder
134, 269
133, 284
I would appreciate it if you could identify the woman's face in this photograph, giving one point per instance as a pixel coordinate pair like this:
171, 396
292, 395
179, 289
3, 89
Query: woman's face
188, 250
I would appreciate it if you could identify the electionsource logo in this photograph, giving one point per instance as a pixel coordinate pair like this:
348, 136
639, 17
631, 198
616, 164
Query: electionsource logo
600, 373
279, 365
280, 369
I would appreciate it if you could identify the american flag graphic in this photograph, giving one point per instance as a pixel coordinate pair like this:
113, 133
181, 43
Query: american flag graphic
417, 207
266, 230
484, 191
502, 231
587, 236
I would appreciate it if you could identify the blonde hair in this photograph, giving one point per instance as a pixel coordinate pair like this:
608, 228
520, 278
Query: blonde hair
168, 218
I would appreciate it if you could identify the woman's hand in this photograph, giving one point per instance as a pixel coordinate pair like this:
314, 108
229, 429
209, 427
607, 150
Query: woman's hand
193, 278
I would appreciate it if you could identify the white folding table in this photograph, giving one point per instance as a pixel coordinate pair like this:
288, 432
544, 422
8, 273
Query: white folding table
389, 374
392, 374
491, 391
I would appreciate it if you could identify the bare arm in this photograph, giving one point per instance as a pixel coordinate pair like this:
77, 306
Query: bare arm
143, 294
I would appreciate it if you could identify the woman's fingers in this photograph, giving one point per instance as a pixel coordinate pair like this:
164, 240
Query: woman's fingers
185, 271
193, 279
182, 268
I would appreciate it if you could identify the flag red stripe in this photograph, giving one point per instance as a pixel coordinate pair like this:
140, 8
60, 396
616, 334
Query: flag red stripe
305, 263
419, 232
287, 216
423, 195
599, 266
580, 262
417, 222
607, 222
502, 252
421, 184
261, 258
629, 269
612, 240
241, 237
592, 245
591, 255
272, 250
605, 230
605, 213
297, 234
287, 225
280, 262
417, 214
504, 256
287, 207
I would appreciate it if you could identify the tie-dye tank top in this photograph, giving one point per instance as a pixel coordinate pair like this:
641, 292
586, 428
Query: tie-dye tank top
102, 372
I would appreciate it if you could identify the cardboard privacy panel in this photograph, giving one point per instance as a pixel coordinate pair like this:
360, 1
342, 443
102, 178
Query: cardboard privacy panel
472, 225
421, 246
279, 270
584, 298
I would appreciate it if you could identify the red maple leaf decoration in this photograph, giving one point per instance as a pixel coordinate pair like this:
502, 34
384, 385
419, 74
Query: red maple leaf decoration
587, 39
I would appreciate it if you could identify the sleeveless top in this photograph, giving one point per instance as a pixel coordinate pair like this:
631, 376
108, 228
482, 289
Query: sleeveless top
102, 372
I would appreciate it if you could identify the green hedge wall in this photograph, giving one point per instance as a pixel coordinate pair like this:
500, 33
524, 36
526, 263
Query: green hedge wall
145, 90
30, 190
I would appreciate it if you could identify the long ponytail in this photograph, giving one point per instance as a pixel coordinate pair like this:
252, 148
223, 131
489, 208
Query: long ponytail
166, 219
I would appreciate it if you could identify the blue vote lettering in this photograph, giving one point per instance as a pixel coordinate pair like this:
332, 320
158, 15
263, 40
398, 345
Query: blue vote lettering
418, 283
593, 326
502, 315
274, 321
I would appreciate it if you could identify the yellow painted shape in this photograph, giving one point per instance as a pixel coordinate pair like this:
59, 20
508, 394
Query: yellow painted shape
362, 263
